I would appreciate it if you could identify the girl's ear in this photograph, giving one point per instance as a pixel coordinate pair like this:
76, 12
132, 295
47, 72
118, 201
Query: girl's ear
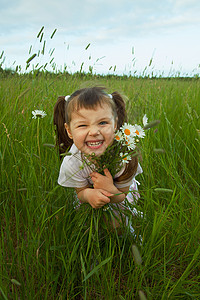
68, 131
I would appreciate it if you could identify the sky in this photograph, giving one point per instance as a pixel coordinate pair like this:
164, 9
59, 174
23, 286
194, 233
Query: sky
126, 36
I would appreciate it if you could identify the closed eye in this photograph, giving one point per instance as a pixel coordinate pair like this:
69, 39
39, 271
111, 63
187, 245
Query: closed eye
82, 125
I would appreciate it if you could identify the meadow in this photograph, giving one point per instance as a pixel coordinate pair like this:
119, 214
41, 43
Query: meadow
48, 250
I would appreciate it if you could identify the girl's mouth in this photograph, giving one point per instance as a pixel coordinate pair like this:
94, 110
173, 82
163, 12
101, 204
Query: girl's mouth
94, 144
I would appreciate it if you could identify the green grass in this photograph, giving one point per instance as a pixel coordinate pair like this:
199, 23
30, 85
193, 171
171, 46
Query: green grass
50, 251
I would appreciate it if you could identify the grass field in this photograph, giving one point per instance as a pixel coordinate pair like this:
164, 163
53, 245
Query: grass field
51, 251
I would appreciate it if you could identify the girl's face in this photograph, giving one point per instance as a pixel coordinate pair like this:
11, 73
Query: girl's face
92, 130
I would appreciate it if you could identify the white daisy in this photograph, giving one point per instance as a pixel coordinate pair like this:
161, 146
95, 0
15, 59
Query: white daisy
119, 136
128, 129
130, 143
139, 131
126, 157
38, 114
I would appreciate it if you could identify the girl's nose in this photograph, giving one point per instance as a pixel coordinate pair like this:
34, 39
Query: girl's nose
94, 131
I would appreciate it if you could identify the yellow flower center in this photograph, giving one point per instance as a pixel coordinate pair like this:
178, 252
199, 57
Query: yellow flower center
117, 137
127, 131
137, 132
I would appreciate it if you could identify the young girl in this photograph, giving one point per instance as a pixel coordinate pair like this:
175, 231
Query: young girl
86, 123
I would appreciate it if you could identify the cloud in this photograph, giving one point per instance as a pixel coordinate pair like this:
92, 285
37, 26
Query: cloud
183, 4
105, 24
108, 20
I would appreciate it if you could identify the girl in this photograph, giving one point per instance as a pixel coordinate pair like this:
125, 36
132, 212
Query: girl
86, 123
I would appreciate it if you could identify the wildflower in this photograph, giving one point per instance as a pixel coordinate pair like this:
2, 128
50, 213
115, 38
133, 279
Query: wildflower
139, 131
145, 120
128, 129
126, 157
129, 143
121, 151
119, 136
38, 114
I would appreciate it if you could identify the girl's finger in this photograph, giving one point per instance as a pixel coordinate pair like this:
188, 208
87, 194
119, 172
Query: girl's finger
107, 173
93, 179
93, 174
107, 194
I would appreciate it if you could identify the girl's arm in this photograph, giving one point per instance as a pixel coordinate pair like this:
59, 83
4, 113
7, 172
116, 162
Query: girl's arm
122, 195
95, 197
106, 182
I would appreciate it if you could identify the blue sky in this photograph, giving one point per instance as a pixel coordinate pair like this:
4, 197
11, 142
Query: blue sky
121, 33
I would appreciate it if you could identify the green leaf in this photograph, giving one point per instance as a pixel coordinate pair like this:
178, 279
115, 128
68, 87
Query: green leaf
105, 261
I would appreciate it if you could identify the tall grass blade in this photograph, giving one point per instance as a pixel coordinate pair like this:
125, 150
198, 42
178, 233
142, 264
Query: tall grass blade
95, 270
30, 49
40, 32
188, 270
31, 58
3, 294
43, 49
53, 33
163, 190
41, 37
1, 54
87, 46
151, 124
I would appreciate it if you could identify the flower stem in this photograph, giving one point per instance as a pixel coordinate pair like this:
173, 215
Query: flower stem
38, 143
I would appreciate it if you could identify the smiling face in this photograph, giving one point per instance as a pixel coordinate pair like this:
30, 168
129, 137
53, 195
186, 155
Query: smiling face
92, 130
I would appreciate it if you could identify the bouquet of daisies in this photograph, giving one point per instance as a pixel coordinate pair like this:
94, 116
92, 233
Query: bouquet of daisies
123, 148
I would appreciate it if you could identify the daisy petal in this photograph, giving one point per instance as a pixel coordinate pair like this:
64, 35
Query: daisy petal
145, 120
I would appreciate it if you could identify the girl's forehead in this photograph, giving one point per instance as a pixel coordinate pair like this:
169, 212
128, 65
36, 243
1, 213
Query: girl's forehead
100, 111
99, 108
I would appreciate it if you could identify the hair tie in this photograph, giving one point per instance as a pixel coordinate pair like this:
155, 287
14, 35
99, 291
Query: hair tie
67, 97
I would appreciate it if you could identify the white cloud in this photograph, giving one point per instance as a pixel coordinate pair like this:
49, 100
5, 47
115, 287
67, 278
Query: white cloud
191, 4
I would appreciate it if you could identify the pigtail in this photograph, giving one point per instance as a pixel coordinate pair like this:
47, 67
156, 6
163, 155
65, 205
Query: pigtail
121, 109
62, 139
131, 167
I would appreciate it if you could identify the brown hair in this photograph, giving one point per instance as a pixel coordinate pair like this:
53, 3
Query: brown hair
90, 98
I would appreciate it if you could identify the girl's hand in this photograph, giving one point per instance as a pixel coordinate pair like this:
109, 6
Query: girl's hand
95, 197
103, 181
106, 182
